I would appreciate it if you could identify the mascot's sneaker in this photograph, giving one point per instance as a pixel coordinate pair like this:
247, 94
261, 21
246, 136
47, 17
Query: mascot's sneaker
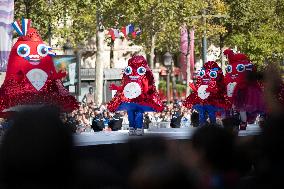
243, 126
131, 131
139, 132
261, 121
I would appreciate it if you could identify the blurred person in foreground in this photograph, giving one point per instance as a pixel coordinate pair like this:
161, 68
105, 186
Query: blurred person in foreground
213, 151
152, 165
36, 151
271, 161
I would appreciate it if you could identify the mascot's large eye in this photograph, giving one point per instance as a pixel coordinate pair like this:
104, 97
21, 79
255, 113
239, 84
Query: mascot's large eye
42, 50
128, 70
141, 70
213, 74
240, 68
201, 73
23, 50
229, 69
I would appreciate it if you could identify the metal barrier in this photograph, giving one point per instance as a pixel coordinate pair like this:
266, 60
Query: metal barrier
160, 125
151, 125
125, 127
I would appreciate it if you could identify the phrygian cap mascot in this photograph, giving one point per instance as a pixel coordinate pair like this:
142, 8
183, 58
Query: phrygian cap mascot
208, 95
31, 78
244, 92
137, 94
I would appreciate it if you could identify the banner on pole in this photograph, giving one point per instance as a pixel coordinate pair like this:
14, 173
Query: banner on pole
191, 60
184, 51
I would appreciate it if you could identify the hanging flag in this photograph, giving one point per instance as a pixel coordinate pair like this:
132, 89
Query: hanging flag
6, 18
133, 35
116, 33
111, 33
138, 31
123, 30
130, 29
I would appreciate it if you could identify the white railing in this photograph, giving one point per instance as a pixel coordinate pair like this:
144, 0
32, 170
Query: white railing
164, 124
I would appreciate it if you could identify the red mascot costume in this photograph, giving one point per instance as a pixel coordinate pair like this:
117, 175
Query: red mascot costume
208, 96
137, 94
31, 78
245, 93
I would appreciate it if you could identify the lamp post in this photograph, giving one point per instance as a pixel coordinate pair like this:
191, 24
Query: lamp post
168, 64
49, 25
204, 16
68, 48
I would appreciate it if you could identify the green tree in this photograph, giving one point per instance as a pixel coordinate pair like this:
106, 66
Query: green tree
255, 27
151, 15
72, 19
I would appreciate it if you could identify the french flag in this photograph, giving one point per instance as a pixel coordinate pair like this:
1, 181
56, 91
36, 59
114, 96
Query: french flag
136, 33
116, 33
129, 29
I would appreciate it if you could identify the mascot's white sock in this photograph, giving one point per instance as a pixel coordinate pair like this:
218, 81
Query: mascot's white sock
243, 115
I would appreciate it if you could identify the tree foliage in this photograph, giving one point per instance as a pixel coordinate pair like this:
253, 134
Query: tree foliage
255, 27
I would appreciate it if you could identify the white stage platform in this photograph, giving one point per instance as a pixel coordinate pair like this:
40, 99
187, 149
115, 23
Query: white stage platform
112, 137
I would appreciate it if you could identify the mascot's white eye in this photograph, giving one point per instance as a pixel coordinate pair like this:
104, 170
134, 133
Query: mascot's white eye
128, 70
42, 50
201, 73
240, 68
141, 70
229, 69
23, 50
213, 74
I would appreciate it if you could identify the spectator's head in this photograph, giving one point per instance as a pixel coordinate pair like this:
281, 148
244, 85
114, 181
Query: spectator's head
271, 165
194, 119
91, 90
97, 111
36, 151
160, 173
215, 146
153, 166
231, 124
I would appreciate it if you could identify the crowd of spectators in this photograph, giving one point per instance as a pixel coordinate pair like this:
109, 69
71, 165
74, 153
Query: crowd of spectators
92, 118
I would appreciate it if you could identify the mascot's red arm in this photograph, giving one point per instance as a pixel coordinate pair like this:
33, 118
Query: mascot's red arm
192, 86
145, 85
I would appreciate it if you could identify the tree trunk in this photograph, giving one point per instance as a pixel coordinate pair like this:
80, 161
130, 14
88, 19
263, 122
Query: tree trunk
99, 67
152, 53
223, 66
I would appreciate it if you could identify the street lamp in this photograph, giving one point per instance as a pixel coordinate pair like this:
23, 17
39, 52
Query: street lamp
49, 25
68, 48
168, 64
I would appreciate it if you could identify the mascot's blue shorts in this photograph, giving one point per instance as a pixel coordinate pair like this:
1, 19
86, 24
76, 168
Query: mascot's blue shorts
135, 113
